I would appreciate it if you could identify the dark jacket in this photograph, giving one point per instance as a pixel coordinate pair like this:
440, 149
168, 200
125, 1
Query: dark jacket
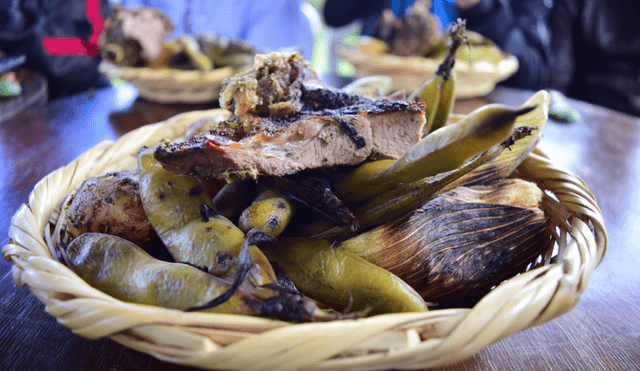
338, 13
23, 25
596, 47
519, 28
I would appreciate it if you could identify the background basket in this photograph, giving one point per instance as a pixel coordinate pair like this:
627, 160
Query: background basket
219, 341
475, 79
167, 85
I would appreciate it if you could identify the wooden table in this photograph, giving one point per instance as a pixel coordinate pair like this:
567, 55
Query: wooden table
601, 333
34, 94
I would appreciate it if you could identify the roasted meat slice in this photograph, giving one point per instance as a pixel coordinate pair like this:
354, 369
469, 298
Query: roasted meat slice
313, 142
134, 36
284, 121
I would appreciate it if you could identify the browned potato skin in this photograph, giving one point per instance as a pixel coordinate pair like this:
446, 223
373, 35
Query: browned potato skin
111, 204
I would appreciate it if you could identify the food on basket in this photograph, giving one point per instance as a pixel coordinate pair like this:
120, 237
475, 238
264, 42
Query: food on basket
317, 204
476, 48
417, 33
529, 129
111, 204
183, 216
438, 92
185, 69
406, 50
270, 212
224, 51
463, 242
412, 34
124, 271
133, 37
341, 279
285, 121
182, 53
440, 152
498, 162
394, 203
136, 37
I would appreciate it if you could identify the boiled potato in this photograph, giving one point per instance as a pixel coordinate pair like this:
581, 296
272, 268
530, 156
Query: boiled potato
110, 204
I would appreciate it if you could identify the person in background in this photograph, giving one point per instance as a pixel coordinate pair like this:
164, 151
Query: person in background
520, 28
24, 27
267, 25
339, 13
586, 49
596, 52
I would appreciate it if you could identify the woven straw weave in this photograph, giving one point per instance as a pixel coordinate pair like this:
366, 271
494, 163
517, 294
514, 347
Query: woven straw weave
475, 78
234, 342
167, 85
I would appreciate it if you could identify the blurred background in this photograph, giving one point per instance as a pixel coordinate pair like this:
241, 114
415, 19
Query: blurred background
585, 49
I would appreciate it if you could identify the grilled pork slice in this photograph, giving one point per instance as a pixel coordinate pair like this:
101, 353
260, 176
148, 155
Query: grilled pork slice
285, 121
313, 142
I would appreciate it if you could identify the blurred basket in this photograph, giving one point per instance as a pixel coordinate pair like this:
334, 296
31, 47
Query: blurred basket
235, 342
168, 85
475, 78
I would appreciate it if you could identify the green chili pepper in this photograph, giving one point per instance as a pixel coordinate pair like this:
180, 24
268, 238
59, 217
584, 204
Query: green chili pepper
341, 279
121, 269
193, 232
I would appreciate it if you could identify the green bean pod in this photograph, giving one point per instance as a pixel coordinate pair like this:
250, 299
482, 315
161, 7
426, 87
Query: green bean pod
443, 150
183, 216
398, 201
438, 90
121, 269
270, 212
508, 161
341, 279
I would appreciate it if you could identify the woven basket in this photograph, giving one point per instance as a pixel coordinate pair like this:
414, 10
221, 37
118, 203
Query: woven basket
236, 342
167, 85
474, 79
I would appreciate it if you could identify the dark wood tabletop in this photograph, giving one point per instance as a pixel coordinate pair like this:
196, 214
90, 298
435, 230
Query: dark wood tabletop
34, 93
601, 333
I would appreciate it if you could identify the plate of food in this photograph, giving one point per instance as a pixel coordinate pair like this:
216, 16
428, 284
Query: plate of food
185, 69
410, 49
300, 226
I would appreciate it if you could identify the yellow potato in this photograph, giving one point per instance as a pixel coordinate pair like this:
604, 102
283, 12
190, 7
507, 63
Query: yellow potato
110, 204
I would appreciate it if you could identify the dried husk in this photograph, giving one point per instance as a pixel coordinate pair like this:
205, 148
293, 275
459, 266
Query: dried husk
510, 191
459, 245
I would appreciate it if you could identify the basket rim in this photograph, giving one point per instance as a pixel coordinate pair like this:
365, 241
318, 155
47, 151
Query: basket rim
477, 78
167, 85
215, 340
148, 74
355, 54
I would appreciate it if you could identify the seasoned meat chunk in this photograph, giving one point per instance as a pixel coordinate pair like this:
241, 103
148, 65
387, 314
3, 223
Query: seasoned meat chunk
285, 120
